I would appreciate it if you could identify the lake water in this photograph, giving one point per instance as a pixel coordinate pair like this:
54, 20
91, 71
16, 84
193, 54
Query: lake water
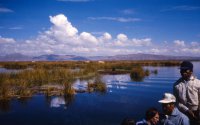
124, 98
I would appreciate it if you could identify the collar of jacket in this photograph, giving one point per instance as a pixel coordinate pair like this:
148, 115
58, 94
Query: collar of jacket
192, 78
175, 112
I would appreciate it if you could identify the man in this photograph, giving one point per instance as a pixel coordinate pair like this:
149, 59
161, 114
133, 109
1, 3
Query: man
173, 115
187, 92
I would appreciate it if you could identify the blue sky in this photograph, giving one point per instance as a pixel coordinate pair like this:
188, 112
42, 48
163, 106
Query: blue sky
100, 27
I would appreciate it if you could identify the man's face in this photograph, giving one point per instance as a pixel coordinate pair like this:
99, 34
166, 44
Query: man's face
168, 108
186, 74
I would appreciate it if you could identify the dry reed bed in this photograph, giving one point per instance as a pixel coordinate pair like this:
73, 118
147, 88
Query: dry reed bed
46, 76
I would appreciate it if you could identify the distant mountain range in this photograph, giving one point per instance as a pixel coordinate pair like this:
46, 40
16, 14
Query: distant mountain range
141, 56
58, 57
51, 57
15, 57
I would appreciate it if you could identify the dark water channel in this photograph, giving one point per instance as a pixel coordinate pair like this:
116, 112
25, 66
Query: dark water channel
124, 98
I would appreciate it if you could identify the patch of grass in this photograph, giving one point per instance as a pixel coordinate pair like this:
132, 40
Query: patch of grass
98, 85
137, 73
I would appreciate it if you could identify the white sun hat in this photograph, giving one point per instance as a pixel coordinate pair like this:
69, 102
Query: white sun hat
168, 98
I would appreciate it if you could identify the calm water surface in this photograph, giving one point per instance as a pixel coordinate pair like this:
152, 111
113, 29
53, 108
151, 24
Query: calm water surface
124, 98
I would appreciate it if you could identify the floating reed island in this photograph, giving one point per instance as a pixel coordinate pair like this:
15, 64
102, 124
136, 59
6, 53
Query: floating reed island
57, 78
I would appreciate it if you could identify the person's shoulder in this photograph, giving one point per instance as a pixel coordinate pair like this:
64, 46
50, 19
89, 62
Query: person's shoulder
197, 79
143, 122
178, 82
182, 115
185, 119
197, 82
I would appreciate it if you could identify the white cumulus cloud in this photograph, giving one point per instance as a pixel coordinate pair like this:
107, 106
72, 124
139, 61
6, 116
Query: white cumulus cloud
63, 38
107, 36
141, 42
179, 43
88, 37
80, 49
62, 27
122, 37
195, 44
6, 40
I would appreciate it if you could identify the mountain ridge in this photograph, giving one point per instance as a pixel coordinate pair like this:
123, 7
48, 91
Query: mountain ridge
54, 57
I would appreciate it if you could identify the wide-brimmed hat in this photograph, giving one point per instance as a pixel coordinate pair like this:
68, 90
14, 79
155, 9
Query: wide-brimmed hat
186, 65
168, 98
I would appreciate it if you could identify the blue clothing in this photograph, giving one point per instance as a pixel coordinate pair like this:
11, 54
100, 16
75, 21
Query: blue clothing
177, 118
143, 122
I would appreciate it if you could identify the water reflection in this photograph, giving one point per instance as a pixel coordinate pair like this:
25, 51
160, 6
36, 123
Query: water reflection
57, 102
24, 100
5, 105
137, 78
48, 100
4, 70
80, 84
116, 81
120, 82
61, 101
